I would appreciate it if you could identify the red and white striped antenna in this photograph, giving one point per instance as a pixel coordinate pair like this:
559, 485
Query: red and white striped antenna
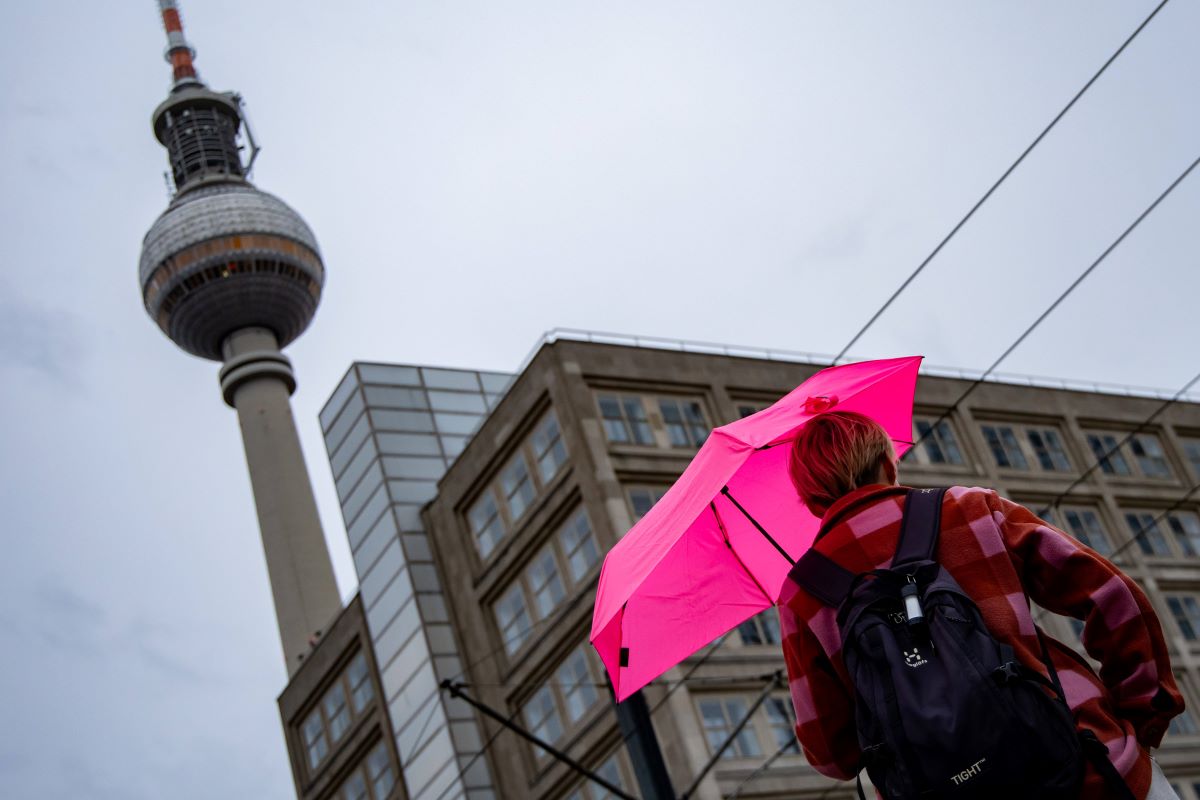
179, 53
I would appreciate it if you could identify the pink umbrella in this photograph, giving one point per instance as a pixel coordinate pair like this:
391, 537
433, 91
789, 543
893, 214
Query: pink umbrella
714, 551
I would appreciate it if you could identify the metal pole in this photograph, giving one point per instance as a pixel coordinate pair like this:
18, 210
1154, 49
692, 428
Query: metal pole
637, 730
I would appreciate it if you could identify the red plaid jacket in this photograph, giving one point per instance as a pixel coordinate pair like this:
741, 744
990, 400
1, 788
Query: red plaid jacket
988, 543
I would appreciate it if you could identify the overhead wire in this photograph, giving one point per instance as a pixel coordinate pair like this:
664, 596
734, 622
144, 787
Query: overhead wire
1012, 167
1058, 301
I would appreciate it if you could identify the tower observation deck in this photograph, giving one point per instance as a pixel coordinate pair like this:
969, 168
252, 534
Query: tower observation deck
232, 274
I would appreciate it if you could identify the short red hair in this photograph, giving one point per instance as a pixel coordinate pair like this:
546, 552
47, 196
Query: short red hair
834, 454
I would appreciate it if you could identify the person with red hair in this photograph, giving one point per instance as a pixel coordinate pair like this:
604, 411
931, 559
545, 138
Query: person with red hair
1003, 556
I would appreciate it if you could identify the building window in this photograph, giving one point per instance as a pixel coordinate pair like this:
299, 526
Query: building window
576, 685
549, 451
1005, 447
1084, 525
1108, 454
517, 487
372, 780
624, 419
781, 723
1150, 538
684, 420
938, 445
504, 503
1141, 456
486, 525
1048, 448
643, 498
762, 628
544, 583
1148, 453
1191, 451
719, 717
1186, 612
328, 722
613, 771
541, 716
578, 545
1186, 527
512, 618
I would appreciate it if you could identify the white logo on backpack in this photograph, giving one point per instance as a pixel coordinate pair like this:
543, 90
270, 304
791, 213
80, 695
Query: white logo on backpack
968, 773
913, 658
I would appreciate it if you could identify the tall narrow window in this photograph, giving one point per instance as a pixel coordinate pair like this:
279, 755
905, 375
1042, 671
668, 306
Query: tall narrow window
548, 448
512, 618
484, 518
361, 690
1186, 527
643, 498
1108, 454
1048, 448
779, 719
1084, 525
315, 743
1191, 451
1148, 453
541, 716
1005, 447
576, 685
720, 717
336, 711
685, 422
624, 419
762, 628
545, 583
939, 444
1186, 612
517, 487
379, 770
579, 545
1150, 538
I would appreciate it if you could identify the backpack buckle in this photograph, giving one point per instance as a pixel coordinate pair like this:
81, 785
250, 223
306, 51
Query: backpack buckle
1006, 673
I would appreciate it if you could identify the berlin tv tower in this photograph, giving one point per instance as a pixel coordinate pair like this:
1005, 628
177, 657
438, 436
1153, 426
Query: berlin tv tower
232, 274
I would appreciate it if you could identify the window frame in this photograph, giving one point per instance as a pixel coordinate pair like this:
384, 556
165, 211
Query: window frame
654, 418
1024, 438
918, 456
319, 710
556, 691
1127, 453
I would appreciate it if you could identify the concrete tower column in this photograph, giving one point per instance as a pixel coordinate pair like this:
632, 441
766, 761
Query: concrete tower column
257, 380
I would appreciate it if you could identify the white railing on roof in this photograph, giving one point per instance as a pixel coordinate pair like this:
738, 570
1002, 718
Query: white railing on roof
822, 359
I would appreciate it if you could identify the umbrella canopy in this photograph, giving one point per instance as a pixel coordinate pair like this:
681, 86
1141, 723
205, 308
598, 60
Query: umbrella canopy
714, 551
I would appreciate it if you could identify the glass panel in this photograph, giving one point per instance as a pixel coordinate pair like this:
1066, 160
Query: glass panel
635, 413
454, 445
349, 446
359, 677
1149, 456
1191, 450
1085, 526
315, 743
333, 406
354, 470
1186, 527
413, 467
396, 397
450, 379
1108, 454
344, 422
458, 424
614, 423
541, 716
779, 718
1150, 538
579, 545
576, 685
643, 499
457, 401
379, 770
414, 421
495, 381
412, 491
1048, 448
1187, 614
409, 444
484, 518
336, 711
513, 619
363, 491
355, 788
544, 583
389, 373
517, 487
548, 448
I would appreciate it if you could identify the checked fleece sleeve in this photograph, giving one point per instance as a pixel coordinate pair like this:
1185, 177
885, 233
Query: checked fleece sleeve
1121, 629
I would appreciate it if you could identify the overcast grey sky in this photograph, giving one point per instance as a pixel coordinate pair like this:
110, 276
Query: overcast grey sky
753, 173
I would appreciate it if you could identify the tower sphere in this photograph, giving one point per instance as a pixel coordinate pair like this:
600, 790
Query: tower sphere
226, 256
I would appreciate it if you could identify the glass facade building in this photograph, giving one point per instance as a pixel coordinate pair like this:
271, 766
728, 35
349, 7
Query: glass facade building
390, 432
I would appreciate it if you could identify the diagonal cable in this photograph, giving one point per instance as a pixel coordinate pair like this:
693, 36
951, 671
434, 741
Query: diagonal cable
996, 185
1058, 301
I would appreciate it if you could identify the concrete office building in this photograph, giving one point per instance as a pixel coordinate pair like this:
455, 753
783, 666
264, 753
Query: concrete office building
491, 584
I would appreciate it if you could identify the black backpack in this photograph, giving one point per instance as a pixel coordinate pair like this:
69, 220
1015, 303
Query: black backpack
943, 709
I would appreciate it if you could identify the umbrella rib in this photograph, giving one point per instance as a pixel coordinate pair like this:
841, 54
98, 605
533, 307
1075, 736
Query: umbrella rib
761, 529
729, 544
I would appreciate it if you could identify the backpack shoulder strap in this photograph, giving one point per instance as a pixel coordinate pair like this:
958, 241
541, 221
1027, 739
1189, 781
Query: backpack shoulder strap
921, 526
822, 577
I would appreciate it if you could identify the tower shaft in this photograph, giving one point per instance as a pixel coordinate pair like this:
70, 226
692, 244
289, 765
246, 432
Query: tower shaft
257, 380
